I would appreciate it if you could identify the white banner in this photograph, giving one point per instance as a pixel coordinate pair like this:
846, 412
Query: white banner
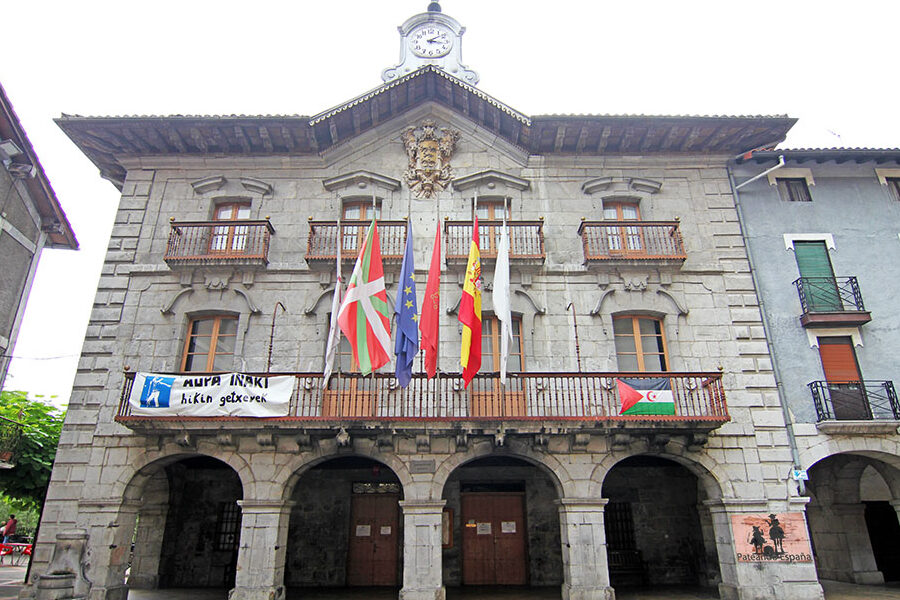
223, 395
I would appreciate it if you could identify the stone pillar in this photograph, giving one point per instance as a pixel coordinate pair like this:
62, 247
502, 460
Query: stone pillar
422, 568
896, 505
110, 528
583, 536
758, 580
148, 539
852, 523
262, 550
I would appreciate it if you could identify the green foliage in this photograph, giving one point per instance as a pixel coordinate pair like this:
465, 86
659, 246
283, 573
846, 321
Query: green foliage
26, 515
26, 484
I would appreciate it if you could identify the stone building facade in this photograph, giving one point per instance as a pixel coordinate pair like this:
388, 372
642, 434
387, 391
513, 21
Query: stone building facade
822, 229
626, 259
31, 219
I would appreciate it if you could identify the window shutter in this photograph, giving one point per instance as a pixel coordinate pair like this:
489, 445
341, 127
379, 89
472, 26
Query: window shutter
812, 259
838, 359
818, 282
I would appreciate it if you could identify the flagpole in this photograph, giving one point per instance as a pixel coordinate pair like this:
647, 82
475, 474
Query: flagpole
437, 353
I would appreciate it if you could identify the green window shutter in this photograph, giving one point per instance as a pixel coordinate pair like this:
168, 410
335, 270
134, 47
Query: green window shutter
819, 285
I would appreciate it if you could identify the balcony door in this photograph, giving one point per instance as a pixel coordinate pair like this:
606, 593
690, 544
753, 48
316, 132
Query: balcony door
842, 377
355, 221
231, 239
489, 235
817, 277
488, 397
623, 239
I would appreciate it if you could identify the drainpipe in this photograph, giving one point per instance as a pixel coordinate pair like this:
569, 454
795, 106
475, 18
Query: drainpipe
779, 386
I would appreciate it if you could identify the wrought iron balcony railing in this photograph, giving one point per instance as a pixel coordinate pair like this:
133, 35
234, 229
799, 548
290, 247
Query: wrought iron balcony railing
10, 439
656, 241
831, 301
528, 396
219, 242
324, 235
526, 240
855, 400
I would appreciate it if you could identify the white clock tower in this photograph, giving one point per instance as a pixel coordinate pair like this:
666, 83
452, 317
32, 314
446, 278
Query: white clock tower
431, 38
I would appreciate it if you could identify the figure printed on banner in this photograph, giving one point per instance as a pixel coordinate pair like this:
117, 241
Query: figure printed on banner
771, 538
157, 392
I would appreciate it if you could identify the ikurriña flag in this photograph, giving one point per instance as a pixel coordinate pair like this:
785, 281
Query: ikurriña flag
365, 314
645, 396
470, 312
430, 322
406, 345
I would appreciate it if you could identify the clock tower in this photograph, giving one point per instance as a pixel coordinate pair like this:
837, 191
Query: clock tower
431, 38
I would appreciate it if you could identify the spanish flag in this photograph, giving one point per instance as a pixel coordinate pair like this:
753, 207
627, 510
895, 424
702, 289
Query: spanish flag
470, 312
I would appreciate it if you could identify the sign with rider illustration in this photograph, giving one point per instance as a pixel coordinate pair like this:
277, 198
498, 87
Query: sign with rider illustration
222, 395
779, 537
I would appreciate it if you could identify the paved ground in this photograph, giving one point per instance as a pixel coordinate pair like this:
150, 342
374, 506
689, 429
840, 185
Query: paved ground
11, 581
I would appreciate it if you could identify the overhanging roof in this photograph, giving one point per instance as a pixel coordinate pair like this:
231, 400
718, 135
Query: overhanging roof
105, 140
821, 155
53, 217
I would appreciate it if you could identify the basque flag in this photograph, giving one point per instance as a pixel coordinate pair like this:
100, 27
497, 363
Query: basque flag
406, 345
651, 396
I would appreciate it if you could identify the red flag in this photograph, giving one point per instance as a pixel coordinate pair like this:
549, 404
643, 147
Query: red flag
429, 322
470, 312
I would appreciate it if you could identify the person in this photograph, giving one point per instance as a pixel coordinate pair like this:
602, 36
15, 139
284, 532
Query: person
9, 529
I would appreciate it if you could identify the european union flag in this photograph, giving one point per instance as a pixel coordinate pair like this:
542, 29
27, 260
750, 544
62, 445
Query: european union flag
406, 345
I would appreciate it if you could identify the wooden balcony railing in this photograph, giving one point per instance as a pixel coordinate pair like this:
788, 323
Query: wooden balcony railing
323, 239
831, 302
855, 400
631, 240
529, 396
219, 242
526, 240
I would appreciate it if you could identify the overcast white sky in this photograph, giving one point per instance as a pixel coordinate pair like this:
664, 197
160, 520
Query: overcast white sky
828, 63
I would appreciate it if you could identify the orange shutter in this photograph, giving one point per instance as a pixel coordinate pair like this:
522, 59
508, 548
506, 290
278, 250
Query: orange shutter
838, 359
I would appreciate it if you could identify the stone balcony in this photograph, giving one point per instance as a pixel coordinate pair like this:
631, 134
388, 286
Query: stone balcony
195, 243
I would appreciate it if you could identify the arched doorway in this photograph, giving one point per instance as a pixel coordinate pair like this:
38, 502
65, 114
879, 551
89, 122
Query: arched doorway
853, 519
658, 532
501, 525
188, 526
345, 526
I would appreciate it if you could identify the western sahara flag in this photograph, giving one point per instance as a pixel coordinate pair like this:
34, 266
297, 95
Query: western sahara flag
646, 396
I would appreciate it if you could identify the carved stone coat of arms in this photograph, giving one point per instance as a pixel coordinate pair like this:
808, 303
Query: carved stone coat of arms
429, 169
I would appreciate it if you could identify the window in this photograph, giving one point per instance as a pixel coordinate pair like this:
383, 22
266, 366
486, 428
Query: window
894, 184
817, 280
489, 234
640, 343
210, 344
231, 239
354, 234
227, 526
623, 238
793, 189
490, 345
843, 379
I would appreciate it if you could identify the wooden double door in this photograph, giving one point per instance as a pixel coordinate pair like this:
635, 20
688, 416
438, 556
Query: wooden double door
493, 538
374, 549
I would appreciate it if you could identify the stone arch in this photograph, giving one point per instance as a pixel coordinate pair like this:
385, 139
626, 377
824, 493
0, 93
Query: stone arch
564, 484
288, 476
882, 448
885, 463
707, 471
131, 481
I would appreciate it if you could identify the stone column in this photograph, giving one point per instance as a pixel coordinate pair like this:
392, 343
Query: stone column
110, 527
148, 539
859, 548
759, 580
422, 568
896, 505
262, 550
583, 536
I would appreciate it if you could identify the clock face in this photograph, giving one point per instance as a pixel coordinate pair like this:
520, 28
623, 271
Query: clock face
431, 41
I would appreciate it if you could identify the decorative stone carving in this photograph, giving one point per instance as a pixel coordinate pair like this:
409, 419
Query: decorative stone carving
428, 172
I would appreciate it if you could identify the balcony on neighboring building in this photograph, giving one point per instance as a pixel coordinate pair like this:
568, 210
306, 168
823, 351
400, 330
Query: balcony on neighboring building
831, 302
323, 240
194, 243
526, 240
10, 440
855, 401
530, 401
657, 242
